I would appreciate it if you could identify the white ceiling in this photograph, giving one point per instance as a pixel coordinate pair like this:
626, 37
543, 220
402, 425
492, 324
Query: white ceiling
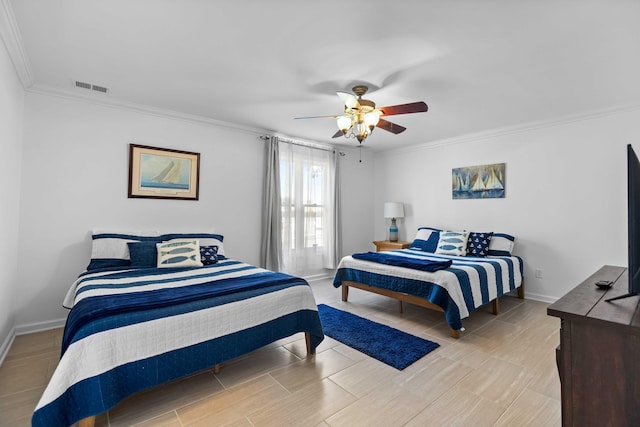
479, 65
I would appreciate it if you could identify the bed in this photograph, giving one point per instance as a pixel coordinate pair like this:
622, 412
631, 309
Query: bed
457, 285
135, 325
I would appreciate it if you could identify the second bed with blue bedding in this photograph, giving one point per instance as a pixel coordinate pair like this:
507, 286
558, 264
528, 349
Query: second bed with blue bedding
455, 285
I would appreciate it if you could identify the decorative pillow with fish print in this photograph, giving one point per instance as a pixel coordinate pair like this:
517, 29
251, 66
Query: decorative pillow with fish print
179, 253
453, 243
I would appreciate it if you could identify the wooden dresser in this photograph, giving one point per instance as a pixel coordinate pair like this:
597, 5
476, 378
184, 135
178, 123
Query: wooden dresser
599, 354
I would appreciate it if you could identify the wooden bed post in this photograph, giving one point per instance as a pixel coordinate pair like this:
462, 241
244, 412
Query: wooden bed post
496, 306
87, 422
307, 339
521, 290
345, 292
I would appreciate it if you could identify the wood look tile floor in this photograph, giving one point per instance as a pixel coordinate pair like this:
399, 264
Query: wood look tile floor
501, 372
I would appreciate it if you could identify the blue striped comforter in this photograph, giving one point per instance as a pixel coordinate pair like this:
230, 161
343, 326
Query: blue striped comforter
459, 289
129, 330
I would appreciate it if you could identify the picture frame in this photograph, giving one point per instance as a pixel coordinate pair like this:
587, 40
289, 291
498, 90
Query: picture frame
479, 182
163, 173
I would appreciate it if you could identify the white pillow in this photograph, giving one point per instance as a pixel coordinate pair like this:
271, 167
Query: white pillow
501, 244
426, 239
179, 253
453, 243
109, 247
425, 233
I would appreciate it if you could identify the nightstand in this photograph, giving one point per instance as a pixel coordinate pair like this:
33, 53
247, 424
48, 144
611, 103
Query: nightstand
386, 245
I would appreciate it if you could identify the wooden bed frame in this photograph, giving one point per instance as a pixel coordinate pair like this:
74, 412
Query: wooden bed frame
91, 421
412, 299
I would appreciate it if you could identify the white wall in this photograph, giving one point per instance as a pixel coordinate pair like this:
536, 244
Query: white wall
74, 179
11, 109
565, 195
357, 200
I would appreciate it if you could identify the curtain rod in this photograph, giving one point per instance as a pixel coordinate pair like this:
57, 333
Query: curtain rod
303, 144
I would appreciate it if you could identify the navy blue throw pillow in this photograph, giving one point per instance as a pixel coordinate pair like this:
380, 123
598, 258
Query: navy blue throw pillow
143, 254
208, 255
478, 244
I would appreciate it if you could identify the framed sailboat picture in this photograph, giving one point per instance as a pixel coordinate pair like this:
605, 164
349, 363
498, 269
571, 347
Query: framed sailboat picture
162, 173
479, 182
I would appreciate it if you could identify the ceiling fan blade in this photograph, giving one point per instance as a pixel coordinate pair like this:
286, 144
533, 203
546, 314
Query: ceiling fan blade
413, 107
349, 100
390, 127
316, 117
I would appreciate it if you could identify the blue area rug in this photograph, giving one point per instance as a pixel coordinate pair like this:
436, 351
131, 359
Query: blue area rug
388, 345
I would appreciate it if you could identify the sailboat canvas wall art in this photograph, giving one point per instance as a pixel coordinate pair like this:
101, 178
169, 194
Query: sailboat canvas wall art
163, 173
479, 182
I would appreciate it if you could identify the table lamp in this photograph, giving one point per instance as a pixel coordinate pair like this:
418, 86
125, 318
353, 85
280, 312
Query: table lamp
393, 210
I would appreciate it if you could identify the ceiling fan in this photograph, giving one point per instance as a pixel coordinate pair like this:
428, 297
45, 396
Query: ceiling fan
361, 115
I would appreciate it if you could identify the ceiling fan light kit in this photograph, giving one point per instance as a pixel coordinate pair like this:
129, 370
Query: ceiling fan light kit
361, 116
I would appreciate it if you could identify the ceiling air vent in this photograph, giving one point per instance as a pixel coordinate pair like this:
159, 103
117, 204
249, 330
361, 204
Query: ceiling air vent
89, 86
99, 88
83, 85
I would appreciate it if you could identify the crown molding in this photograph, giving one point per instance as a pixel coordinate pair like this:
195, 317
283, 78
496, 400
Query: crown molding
13, 42
504, 131
106, 101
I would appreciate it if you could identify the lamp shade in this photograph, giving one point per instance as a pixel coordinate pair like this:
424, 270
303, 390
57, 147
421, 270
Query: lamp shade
393, 210
344, 123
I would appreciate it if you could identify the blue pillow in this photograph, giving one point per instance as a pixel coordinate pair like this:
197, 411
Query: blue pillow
426, 240
208, 255
100, 263
478, 244
143, 254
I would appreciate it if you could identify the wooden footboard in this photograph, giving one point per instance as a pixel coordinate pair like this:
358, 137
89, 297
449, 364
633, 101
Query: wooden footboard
400, 296
412, 299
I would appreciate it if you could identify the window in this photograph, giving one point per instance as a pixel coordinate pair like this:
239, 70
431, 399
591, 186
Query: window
306, 192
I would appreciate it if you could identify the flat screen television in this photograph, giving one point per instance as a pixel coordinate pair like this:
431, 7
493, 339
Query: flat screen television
633, 219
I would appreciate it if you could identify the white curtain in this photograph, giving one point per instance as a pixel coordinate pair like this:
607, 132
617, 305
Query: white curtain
310, 239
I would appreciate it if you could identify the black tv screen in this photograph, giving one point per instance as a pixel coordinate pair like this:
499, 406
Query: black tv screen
633, 212
633, 219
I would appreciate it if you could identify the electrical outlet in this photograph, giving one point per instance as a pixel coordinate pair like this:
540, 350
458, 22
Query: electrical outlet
539, 273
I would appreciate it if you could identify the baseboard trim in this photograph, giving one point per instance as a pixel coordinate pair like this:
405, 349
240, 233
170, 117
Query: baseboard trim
539, 297
27, 329
6, 345
39, 327
316, 277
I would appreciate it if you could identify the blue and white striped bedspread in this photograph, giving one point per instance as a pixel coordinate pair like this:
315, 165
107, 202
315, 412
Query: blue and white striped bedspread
129, 330
468, 284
